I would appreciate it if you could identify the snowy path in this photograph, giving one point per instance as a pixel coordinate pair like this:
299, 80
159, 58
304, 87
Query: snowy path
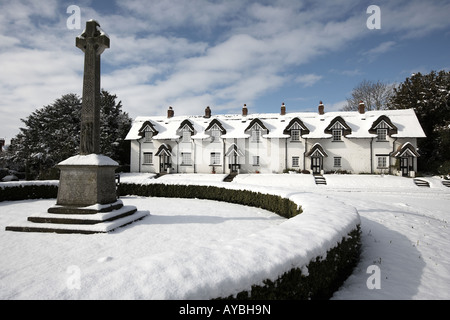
407, 237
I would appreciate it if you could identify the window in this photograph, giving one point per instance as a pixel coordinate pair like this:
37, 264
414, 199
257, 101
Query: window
186, 159
337, 135
186, 135
148, 158
148, 136
295, 135
256, 160
295, 161
381, 134
215, 134
215, 158
337, 162
256, 134
382, 163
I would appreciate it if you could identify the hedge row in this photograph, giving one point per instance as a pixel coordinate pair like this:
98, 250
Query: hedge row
276, 204
324, 277
24, 192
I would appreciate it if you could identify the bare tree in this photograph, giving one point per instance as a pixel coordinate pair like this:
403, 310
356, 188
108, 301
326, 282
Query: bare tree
374, 94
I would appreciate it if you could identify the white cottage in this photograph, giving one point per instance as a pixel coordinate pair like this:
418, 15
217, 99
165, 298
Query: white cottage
382, 141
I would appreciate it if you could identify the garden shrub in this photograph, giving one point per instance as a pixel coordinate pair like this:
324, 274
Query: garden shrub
25, 192
276, 204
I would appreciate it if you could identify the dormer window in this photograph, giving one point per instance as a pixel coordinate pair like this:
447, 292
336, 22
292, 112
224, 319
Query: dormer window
336, 131
147, 131
215, 133
186, 130
337, 134
381, 134
215, 130
148, 135
256, 134
295, 129
338, 128
383, 128
186, 137
256, 129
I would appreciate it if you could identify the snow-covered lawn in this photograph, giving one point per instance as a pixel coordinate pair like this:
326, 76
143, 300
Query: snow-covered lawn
404, 233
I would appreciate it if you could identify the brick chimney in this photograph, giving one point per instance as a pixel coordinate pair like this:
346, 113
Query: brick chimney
361, 107
207, 112
283, 109
321, 108
170, 112
244, 111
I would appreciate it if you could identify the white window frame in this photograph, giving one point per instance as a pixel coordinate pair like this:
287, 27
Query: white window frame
148, 158
215, 158
337, 134
382, 162
382, 134
337, 162
295, 161
215, 134
148, 135
186, 159
295, 135
256, 161
186, 135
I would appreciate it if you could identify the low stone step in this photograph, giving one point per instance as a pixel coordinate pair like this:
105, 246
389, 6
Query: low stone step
101, 227
83, 218
320, 180
421, 183
446, 183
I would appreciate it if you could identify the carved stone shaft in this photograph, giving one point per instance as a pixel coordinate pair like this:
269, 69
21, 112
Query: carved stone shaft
93, 41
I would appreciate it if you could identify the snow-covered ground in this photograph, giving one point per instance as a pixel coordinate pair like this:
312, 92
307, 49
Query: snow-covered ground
184, 249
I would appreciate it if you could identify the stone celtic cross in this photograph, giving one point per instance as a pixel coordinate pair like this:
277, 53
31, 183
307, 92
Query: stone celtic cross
93, 41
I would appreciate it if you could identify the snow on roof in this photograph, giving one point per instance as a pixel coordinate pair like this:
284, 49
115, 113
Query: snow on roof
235, 125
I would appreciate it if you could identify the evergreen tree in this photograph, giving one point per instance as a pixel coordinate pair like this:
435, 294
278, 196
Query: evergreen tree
429, 96
52, 134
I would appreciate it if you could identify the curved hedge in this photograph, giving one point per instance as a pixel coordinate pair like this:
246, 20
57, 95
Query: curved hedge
318, 280
276, 204
324, 275
13, 192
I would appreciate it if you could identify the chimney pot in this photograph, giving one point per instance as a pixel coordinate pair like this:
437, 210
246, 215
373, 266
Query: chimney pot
361, 107
321, 108
170, 112
283, 109
244, 111
207, 112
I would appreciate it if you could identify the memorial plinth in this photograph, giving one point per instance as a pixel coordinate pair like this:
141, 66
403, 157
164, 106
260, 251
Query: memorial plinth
87, 180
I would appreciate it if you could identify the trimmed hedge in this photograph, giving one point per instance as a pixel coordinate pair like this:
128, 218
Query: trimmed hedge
276, 204
324, 277
30, 191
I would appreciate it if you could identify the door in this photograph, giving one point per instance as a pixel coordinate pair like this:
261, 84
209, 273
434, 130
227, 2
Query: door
234, 166
406, 165
164, 163
316, 164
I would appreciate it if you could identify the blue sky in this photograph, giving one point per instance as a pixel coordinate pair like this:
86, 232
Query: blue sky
190, 54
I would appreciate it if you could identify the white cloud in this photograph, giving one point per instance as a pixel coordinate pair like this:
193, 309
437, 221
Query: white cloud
308, 80
188, 54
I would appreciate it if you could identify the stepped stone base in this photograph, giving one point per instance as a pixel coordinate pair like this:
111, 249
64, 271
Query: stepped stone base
101, 219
